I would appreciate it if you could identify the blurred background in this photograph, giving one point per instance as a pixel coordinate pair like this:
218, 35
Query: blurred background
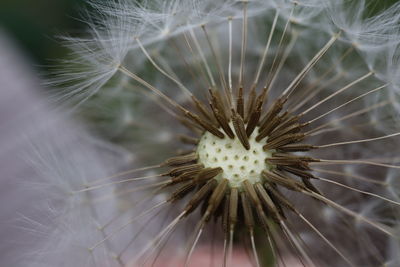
27, 45
32, 25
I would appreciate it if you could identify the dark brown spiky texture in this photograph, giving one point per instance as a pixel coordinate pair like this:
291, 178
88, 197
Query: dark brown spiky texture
252, 205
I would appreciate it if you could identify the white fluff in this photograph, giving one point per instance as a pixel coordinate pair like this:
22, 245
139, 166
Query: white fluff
150, 39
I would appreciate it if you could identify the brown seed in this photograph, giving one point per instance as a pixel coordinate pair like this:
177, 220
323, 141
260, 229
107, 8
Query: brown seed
200, 195
188, 175
238, 125
181, 169
247, 212
250, 104
233, 205
310, 186
267, 201
279, 199
240, 103
296, 148
289, 183
279, 205
188, 139
287, 121
252, 195
294, 128
179, 160
206, 125
296, 171
217, 101
284, 140
225, 216
269, 127
183, 152
203, 109
220, 112
254, 116
253, 121
192, 126
222, 121
273, 111
290, 160
291, 156
207, 174
216, 198
181, 192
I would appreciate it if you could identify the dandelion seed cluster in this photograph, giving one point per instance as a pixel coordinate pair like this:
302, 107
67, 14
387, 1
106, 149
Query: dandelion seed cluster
237, 163
271, 124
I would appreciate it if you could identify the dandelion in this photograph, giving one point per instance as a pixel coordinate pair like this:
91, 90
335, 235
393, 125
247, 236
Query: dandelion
268, 125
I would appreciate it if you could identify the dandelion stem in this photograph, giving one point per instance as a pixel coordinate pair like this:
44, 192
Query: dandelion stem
154, 98
203, 58
271, 72
358, 190
294, 241
351, 115
360, 141
344, 174
193, 246
150, 87
224, 251
213, 245
351, 213
244, 44
130, 207
282, 61
118, 182
181, 86
189, 67
137, 234
203, 73
219, 67
385, 160
309, 91
339, 127
310, 64
348, 102
265, 53
131, 190
310, 95
230, 248
155, 242
338, 92
253, 247
230, 59
124, 173
162, 244
332, 161
324, 238
128, 223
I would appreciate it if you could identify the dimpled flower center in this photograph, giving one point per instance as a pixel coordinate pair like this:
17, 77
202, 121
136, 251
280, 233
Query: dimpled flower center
237, 163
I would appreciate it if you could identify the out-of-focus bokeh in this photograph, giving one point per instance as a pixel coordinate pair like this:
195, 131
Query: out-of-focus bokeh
33, 24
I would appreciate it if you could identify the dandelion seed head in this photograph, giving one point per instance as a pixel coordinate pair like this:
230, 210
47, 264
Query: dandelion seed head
237, 163
267, 118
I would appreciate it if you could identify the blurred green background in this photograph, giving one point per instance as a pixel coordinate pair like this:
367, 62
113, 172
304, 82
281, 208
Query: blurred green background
34, 23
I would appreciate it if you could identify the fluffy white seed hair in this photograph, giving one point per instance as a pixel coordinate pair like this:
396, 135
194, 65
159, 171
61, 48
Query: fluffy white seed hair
114, 26
65, 224
158, 45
